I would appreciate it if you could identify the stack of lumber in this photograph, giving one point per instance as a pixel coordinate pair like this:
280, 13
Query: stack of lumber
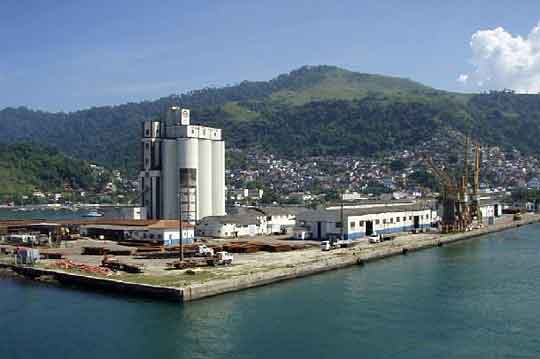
88, 268
116, 265
51, 255
99, 251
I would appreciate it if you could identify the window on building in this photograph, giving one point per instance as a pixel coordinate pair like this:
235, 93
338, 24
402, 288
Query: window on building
384, 221
361, 224
338, 224
159, 236
353, 224
144, 235
398, 219
377, 221
410, 218
151, 236
392, 220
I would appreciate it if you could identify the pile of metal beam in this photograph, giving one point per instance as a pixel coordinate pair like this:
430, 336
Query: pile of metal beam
87, 268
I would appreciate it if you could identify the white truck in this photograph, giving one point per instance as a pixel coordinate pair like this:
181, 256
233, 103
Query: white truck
374, 238
329, 245
220, 258
204, 251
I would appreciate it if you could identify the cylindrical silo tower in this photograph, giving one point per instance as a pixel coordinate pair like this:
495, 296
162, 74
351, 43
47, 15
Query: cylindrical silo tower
205, 178
182, 164
218, 178
169, 179
188, 157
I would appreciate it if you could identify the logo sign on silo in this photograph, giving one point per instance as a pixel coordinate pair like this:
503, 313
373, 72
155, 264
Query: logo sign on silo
184, 120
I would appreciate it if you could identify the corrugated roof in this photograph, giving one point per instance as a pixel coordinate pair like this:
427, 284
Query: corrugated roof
335, 214
150, 223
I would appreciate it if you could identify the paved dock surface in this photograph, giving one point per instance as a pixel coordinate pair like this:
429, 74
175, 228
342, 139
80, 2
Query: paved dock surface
256, 269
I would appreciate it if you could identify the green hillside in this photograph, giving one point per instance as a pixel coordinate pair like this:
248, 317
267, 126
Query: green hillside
321, 83
311, 110
25, 168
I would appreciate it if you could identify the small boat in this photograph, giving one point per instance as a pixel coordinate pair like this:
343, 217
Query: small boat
93, 214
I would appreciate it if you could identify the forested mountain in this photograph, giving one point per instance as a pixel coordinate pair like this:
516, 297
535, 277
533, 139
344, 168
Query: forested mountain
26, 167
312, 110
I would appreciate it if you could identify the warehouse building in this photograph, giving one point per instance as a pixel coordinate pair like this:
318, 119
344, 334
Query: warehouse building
183, 168
249, 221
490, 209
166, 232
355, 223
229, 226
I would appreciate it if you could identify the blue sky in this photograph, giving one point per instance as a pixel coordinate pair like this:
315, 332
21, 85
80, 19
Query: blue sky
69, 55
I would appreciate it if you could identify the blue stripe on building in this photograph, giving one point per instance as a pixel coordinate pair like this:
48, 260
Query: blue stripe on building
358, 235
176, 241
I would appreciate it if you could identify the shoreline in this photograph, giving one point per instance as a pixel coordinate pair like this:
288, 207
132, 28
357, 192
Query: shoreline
314, 263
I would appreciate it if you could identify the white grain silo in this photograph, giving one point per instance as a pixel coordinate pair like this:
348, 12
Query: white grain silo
187, 159
169, 179
205, 174
218, 177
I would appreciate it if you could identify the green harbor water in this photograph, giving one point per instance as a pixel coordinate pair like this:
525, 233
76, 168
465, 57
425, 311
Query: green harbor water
476, 299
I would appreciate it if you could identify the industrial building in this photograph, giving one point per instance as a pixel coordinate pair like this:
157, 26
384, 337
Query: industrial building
358, 222
250, 221
164, 232
179, 157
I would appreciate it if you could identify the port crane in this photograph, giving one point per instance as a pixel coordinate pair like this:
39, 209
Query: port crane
460, 207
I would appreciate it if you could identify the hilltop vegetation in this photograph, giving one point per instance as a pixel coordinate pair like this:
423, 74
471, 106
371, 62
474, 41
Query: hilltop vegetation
314, 110
25, 168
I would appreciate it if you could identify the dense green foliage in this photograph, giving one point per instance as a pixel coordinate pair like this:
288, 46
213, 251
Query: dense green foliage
25, 168
311, 111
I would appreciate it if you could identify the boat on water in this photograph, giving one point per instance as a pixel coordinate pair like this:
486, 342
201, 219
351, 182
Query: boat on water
93, 214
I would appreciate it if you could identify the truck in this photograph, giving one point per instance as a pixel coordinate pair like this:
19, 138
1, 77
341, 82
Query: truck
220, 258
374, 238
329, 245
204, 251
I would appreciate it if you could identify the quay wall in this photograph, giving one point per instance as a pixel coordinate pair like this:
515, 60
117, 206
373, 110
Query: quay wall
334, 260
339, 260
102, 284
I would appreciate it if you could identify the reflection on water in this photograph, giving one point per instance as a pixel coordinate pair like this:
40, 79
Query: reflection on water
477, 299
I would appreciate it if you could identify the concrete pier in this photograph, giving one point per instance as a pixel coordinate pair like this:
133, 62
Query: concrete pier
312, 262
340, 259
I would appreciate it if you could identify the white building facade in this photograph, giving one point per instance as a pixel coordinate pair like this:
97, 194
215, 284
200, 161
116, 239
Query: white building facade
361, 222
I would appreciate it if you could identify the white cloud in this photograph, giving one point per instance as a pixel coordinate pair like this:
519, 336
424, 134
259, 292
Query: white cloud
504, 61
463, 78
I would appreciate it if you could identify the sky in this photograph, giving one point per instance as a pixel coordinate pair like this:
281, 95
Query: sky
67, 55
